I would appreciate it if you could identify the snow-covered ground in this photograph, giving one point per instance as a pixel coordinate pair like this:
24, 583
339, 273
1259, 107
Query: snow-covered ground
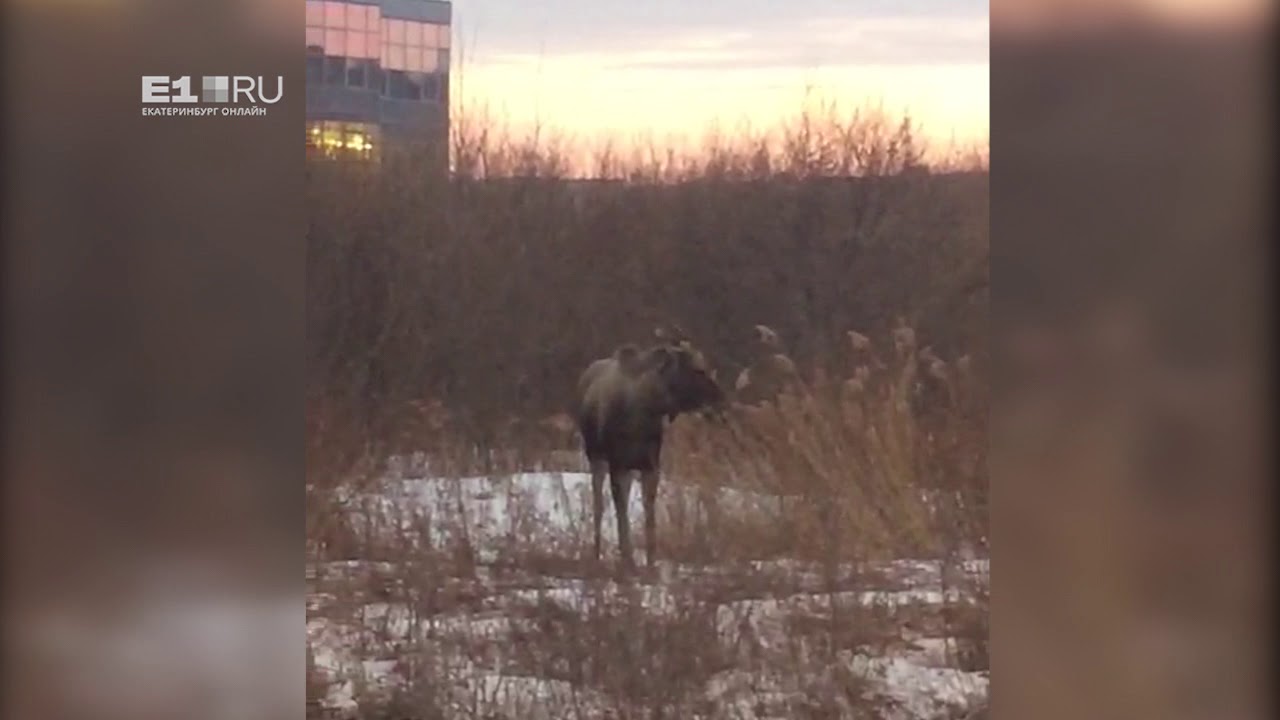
494, 514
368, 645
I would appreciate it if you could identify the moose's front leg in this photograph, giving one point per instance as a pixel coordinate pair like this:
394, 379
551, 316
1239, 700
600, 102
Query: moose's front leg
649, 488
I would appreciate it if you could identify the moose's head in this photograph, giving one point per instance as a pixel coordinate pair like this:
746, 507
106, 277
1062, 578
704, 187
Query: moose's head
688, 381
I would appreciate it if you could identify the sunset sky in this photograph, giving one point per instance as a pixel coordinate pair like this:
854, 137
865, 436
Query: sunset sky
668, 68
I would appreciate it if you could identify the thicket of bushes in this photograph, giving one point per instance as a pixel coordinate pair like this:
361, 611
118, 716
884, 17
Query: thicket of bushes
487, 292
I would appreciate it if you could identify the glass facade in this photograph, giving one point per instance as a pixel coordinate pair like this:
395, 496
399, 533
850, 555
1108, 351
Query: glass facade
381, 67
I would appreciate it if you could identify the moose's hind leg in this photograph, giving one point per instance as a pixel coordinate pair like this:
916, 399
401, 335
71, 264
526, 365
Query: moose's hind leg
620, 488
599, 469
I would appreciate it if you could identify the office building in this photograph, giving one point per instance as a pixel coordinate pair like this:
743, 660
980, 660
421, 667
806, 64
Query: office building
377, 76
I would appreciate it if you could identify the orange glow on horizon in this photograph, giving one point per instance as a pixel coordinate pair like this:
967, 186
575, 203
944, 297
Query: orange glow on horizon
588, 100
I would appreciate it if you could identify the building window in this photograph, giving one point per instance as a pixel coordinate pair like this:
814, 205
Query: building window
418, 86
335, 14
400, 87
343, 140
430, 86
335, 70
335, 42
357, 73
357, 45
414, 85
344, 28
395, 58
315, 69
352, 45
412, 46
356, 18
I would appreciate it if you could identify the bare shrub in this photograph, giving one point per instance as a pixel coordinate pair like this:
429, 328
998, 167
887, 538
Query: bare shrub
483, 291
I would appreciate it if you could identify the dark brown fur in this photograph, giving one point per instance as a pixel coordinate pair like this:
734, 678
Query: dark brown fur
624, 402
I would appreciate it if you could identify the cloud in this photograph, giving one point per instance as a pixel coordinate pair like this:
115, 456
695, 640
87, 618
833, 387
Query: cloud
714, 34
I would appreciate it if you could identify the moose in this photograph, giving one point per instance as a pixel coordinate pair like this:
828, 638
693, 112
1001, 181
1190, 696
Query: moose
625, 401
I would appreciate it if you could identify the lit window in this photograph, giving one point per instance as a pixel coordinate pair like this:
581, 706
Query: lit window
357, 141
339, 140
315, 13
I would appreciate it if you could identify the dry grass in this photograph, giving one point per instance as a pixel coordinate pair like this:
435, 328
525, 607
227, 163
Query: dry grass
771, 609
882, 463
